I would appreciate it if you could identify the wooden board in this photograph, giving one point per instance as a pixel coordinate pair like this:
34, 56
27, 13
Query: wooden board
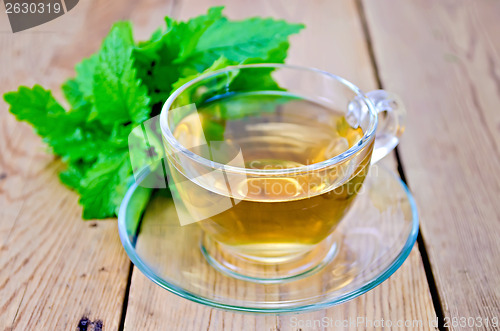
443, 58
54, 267
333, 41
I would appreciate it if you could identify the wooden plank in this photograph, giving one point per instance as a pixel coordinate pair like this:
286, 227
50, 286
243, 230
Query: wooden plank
54, 267
334, 41
442, 57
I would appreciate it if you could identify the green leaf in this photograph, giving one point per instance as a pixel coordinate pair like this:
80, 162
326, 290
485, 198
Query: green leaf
239, 40
189, 34
118, 94
188, 48
104, 185
74, 174
79, 90
220, 63
65, 132
37, 106
73, 94
155, 58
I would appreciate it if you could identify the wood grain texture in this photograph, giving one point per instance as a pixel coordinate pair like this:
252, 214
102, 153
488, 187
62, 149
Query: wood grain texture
443, 58
334, 41
54, 267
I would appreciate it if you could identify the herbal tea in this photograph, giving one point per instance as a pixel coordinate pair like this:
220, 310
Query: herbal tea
276, 215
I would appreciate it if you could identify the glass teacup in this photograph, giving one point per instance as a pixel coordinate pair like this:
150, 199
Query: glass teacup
267, 159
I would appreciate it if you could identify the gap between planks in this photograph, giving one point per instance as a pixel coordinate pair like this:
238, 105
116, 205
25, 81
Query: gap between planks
436, 300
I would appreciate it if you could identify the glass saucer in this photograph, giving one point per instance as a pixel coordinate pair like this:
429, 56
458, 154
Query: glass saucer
373, 240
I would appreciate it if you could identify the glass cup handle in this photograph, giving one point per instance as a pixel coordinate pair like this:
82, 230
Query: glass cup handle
391, 122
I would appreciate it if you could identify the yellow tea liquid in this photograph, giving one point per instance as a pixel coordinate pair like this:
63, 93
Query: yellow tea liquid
273, 216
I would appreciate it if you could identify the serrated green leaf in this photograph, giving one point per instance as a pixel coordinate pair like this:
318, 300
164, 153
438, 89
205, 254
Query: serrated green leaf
79, 90
240, 40
118, 94
63, 131
105, 185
